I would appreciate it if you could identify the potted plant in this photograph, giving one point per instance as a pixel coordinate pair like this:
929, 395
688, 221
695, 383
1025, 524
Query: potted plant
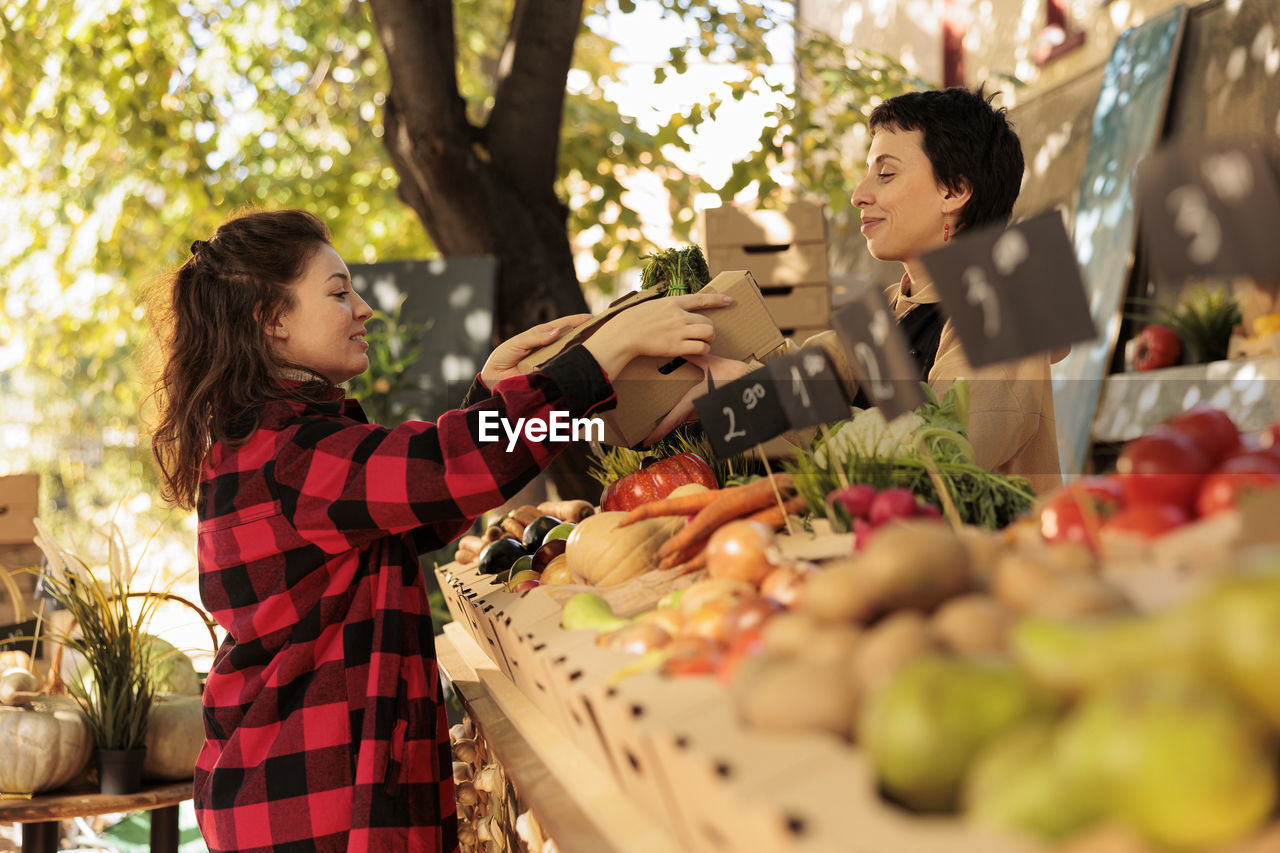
114, 684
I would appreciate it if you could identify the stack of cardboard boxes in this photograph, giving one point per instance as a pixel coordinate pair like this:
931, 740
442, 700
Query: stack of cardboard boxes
18, 502
786, 253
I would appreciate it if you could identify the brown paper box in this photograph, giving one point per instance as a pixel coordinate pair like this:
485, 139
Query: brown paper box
19, 500
744, 330
729, 225
794, 306
797, 263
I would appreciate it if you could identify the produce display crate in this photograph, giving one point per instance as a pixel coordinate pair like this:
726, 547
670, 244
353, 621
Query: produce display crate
676, 749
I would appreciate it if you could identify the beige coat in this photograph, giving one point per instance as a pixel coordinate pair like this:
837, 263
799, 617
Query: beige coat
1011, 420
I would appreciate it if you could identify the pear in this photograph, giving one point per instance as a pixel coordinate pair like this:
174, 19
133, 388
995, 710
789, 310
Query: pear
1244, 641
1172, 755
587, 611
922, 728
1070, 656
1015, 783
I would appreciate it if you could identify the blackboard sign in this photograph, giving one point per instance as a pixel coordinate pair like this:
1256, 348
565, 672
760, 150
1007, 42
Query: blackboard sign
878, 354
18, 638
447, 306
742, 413
808, 389
1012, 292
1211, 210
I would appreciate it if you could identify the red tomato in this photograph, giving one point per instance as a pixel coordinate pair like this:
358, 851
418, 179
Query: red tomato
1251, 461
1161, 467
1211, 430
656, 480
1269, 437
1075, 512
1220, 490
1147, 520
1156, 346
745, 645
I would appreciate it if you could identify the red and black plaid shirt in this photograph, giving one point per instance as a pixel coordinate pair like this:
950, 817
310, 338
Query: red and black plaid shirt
325, 727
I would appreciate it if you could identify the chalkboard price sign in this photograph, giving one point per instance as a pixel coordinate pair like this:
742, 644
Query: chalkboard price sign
808, 389
743, 413
878, 353
1211, 210
1013, 292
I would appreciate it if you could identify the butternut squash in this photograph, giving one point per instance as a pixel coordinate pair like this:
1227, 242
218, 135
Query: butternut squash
603, 554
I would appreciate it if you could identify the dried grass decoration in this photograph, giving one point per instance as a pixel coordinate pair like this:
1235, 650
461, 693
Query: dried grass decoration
116, 691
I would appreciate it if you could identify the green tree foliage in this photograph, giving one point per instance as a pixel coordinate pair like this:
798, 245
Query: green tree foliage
129, 128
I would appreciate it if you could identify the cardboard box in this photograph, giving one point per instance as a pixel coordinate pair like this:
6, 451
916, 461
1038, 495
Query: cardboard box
730, 225
648, 388
795, 306
19, 495
777, 246
802, 263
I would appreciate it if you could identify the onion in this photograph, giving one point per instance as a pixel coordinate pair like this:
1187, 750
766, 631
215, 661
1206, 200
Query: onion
740, 551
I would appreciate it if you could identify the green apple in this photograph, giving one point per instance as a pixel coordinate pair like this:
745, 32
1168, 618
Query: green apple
560, 531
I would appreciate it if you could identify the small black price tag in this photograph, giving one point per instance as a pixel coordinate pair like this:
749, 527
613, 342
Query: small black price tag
1211, 210
878, 353
18, 637
1013, 292
743, 413
808, 388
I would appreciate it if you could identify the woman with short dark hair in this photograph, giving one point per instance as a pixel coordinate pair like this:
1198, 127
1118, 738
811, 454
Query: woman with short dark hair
942, 163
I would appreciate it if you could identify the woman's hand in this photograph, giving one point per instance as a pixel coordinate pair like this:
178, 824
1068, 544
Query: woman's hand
721, 371
505, 361
664, 327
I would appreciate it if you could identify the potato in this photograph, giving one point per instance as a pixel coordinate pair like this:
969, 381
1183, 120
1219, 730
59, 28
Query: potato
1021, 579
789, 633
915, 565
1078, 595
839, 592
888, 645
784, 694
972, 624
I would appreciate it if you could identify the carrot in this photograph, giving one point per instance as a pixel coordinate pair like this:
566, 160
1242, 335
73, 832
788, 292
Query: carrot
735, 504
573, 511
525, 514
694, 563
775, 515
683, 505
682, 556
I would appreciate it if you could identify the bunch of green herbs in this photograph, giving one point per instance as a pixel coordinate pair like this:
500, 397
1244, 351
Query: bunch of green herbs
934, 450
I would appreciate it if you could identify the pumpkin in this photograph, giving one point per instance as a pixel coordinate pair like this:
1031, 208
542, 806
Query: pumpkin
175, 736
45, 740
603, 554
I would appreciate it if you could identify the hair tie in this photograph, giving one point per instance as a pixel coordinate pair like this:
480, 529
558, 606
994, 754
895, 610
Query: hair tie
199, 245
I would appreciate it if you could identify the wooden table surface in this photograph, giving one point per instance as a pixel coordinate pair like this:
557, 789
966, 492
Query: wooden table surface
83, 802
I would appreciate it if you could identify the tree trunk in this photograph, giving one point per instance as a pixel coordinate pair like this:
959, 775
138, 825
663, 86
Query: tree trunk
490, 190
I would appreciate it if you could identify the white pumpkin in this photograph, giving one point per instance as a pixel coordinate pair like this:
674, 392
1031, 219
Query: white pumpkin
175, 735
45, 744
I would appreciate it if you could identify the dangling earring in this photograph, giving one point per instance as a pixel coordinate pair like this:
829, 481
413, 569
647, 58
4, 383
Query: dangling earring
946, 230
